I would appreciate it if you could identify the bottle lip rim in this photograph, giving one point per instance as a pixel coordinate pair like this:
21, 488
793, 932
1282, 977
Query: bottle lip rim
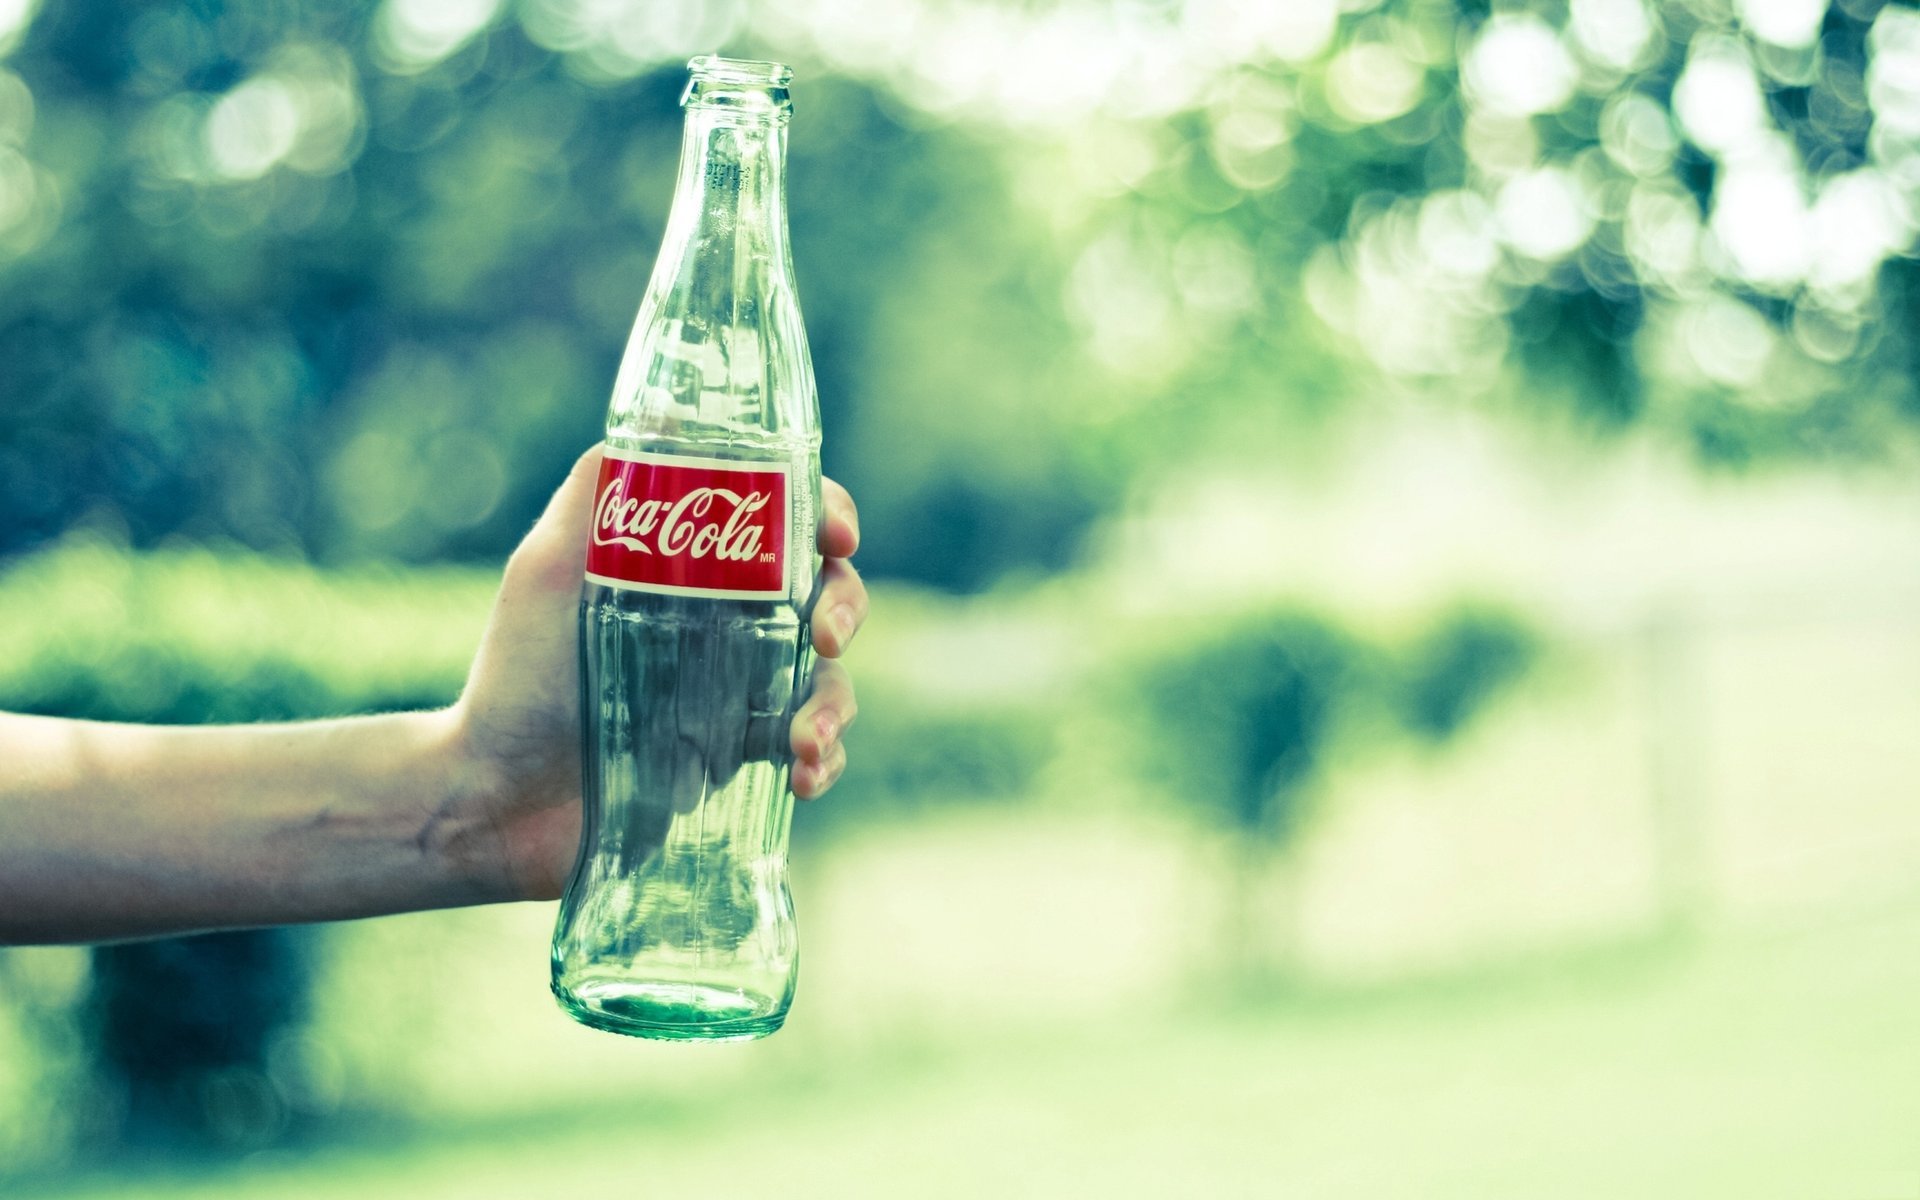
740, 70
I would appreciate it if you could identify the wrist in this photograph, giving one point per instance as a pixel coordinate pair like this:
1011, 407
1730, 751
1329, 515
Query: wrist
459, 833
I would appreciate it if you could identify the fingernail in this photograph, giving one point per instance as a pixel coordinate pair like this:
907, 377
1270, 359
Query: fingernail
828, 727
844, 624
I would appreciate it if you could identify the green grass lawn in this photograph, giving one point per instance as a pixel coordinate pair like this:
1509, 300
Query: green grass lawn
1785, 1065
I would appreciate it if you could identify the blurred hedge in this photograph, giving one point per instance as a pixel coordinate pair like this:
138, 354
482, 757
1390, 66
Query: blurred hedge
88, 629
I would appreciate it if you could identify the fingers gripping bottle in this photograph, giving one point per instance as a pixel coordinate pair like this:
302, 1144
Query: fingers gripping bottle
702, 563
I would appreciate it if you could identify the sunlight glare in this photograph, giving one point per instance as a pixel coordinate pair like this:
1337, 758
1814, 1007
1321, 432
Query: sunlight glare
1519, 67
1544, 213
414, 34
1790, 23
1614, 32
1718, 99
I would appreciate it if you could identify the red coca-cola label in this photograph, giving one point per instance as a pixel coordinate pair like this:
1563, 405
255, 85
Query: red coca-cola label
691, 526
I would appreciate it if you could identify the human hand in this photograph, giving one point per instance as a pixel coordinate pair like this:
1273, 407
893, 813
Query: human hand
514, 821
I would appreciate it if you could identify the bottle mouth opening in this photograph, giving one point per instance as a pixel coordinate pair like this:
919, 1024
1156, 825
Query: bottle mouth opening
750, 90
711, 68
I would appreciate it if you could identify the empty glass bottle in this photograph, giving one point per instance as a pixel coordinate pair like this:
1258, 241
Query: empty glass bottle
701, 570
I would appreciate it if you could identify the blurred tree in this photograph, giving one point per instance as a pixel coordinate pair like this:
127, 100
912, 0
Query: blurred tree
1241, 720
1248, 711
1462, 662
1245, 717
183, 1033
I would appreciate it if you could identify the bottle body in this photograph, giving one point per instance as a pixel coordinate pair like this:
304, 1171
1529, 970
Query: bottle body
694, 646
678, 922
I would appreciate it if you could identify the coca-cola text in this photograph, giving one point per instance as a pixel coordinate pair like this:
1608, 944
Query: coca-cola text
690, 526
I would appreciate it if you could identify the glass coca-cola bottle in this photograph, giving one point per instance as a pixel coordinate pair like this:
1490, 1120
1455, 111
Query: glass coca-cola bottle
701, 568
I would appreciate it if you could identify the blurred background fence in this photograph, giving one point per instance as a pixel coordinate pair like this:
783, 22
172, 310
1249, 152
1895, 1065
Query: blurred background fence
1396, 555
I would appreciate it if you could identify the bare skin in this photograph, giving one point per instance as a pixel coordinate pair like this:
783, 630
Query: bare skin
124, 831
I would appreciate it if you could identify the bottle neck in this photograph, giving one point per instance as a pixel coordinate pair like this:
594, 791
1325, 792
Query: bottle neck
728, 223
718, 352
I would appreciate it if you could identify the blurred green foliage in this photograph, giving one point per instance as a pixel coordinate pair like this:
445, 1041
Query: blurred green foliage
1241, 720
183, 1034
187, 636
1243, 716
912, 758
350, 280
1460, 665
386, 329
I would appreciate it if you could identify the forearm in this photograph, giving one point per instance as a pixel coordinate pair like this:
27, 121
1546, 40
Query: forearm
117, 831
